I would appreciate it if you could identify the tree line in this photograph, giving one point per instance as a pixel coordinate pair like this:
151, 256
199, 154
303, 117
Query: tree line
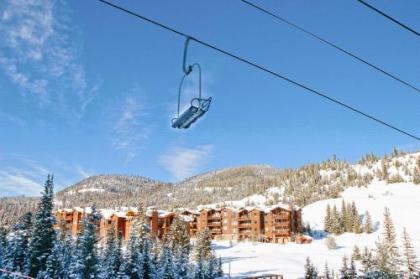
386, 261
32, 248
346, 220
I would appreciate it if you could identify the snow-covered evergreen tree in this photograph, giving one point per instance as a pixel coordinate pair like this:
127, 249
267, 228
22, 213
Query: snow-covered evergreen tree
199, 270
346, 222
310, 270
345, 271
43, 235
211, 267
203, 246
17, 249
327, 273
387, 258
367, 261
352, 270
112, 257
85, 263
166, 266
356, 224
327, 219
409, 257
58, 263
367, 226
139, 262
3, 244
335, 221
356, 256
178, 241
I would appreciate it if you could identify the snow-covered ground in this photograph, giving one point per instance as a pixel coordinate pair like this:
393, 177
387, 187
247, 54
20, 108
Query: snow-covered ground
403, 200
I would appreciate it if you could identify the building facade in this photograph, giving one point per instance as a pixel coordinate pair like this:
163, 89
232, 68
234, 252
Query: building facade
277, 224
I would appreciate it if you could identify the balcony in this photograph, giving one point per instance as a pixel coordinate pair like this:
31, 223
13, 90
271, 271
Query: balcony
214, 224
244, 225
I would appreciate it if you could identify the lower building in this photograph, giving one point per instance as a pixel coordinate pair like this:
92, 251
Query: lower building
277, 224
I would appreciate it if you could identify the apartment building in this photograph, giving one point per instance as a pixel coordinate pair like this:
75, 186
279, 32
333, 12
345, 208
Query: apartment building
191, 218
250, 224
211, 219
277, 224
282, 223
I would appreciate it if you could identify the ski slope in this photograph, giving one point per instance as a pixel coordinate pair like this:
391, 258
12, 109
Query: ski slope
403, 200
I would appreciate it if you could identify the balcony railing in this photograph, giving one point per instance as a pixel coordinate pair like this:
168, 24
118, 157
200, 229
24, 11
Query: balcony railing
214, 224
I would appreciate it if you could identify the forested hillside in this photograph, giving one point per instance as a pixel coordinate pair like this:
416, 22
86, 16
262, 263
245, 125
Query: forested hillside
301, 186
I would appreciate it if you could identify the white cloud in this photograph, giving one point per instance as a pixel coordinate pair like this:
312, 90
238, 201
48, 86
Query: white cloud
182, 162
131, 127
83, 172
38, 55
16, 183
20, 175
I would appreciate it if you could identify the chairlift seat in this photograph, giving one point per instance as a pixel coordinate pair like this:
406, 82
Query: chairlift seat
192, 114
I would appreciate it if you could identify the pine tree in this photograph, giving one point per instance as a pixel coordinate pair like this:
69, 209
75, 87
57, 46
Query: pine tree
219, 268
367, 261
211, 267
138, 261
344, 218
349, 224
352, 270
199, 270
344, 271
356, 225
310, 270
410, 260
384, 168
416, 175
147, 262
17, 249
327, 273
43, 233
3, 244
178, 238
203, 245
368, 227
335, 221
85, 263
112, 259
356, 256
178, 241
58, 261
166, 267
327, 219
389, 258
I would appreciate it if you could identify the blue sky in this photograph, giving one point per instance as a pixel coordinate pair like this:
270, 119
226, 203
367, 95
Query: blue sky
88, 90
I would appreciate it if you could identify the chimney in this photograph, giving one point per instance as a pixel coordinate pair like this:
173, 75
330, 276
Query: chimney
154, 222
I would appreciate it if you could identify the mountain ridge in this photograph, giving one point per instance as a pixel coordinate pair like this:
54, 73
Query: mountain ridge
303, 185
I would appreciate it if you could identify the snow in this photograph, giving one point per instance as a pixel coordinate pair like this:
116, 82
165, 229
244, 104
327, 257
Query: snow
403, 200
90, 190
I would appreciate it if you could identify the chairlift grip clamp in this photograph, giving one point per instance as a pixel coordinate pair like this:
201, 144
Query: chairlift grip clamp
187, 69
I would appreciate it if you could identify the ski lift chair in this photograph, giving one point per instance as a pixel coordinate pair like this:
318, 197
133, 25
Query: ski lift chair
198, 106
